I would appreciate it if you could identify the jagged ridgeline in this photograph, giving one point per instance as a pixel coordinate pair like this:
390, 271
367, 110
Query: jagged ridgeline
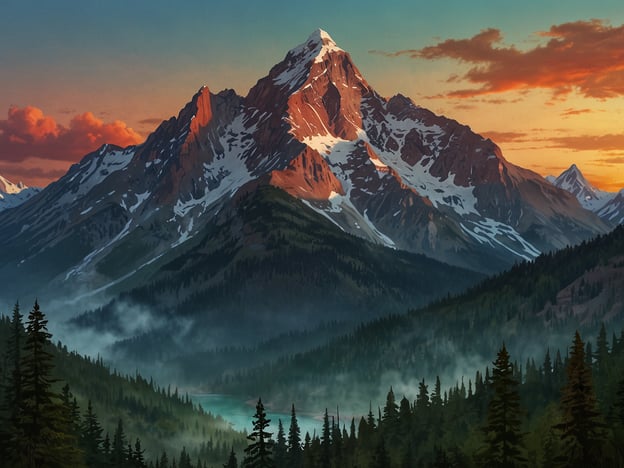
134, 414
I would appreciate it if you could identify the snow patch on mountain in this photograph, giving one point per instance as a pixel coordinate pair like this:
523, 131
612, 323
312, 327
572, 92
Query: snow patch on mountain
493, 233
314, 50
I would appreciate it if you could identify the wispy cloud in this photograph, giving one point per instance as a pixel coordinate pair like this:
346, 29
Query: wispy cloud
582, 56
609, 142
570, 112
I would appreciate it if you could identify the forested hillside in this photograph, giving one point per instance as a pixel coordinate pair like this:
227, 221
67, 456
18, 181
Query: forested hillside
532, 306
89, 410
558, 412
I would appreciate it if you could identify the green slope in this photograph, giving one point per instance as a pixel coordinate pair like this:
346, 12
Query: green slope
267, 265
163, 419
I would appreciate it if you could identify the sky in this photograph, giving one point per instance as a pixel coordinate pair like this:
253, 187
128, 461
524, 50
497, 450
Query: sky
544, 79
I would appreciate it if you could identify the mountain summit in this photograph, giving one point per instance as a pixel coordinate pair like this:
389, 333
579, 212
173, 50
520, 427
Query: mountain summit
608, 205
385, 170
12, 195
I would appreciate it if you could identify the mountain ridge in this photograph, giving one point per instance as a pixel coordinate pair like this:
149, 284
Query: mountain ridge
382, 169
609, 206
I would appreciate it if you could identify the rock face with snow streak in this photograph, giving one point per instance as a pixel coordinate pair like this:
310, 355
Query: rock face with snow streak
383, 169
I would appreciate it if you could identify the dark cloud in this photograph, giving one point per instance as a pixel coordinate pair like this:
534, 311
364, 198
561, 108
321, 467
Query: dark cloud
582, 56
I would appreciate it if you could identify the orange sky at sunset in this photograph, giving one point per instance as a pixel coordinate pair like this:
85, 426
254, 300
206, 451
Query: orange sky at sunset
548, 89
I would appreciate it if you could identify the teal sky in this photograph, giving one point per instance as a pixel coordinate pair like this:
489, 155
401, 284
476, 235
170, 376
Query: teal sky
140, 61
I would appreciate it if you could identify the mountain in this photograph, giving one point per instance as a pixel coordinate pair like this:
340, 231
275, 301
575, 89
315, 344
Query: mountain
591, 198
385, 170
266, 266
12, 195
531, 305
613, 211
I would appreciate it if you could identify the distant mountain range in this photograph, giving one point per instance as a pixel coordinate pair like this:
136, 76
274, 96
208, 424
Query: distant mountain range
12, 195
335, 167
608, 205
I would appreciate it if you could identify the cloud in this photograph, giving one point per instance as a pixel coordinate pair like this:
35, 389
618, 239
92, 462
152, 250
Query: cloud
29, 133
609, 142
583, 56
570, 112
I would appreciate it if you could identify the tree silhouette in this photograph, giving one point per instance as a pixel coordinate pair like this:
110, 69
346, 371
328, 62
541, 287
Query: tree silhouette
258, 453
294, 455
581, 428
504, 446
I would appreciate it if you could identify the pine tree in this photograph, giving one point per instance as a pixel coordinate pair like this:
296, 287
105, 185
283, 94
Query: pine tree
502, 429
294, 455
390, 418
43, 435
13, 388
581, 428
279, 451
91, 439
232, 462
325, 442
118, 455
138, 455
258, 453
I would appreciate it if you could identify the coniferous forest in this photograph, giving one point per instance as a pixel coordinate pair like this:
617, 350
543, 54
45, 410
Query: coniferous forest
63, 410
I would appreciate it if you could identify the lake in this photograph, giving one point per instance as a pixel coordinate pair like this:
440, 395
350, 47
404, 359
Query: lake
239, 414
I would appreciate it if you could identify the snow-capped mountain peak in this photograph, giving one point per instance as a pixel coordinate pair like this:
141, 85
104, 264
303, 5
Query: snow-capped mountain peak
382, 169
573, 181
9, 187
12, 195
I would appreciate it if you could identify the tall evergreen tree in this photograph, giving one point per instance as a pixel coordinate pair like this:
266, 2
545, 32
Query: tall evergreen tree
294, 455
258, 453
13, 387
118, 455
43, 435
581, 427
326, 442
91, 439
232, 462
138, 455
279, 451
504, 447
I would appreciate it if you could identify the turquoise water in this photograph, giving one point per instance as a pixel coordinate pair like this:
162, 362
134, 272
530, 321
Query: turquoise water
239, 414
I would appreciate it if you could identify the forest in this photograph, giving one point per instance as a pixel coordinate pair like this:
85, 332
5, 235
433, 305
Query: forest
566, 409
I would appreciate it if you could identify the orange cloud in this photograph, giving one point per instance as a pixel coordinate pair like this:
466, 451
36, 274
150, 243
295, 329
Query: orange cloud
609, 142
569, 112
28, 133
583, 56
